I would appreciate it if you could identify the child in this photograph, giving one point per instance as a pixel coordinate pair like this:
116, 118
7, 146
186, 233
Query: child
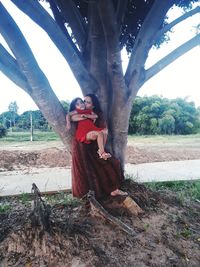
86, 131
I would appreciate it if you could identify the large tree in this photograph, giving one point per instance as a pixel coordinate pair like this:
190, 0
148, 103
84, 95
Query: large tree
99, 29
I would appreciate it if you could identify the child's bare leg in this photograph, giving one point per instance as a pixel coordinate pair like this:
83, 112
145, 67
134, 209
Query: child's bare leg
95, 135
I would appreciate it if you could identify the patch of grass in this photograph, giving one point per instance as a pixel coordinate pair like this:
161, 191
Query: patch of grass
62, 198
157, 139
24, 198
184, 189
4, 208
25, 136
146, 226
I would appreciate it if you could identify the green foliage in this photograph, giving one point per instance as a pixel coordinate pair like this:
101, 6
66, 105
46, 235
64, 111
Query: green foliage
4, 208
23, 122
3, 131
62, 198
158, 115
133, 17
65, 105
24, 198
184, 189
39, 122
8, 119
13, 107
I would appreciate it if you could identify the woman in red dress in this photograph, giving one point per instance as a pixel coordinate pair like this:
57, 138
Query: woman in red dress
89, 172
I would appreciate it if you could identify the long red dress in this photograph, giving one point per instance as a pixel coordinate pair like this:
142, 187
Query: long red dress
89, 172
85, 126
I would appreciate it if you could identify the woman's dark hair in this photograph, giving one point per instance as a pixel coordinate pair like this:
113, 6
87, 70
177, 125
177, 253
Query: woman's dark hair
95, 102
73, 103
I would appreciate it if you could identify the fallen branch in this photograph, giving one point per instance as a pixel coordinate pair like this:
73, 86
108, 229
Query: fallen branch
96, 206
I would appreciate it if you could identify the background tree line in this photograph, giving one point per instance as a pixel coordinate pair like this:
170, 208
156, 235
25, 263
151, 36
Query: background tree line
149, 115
158, 115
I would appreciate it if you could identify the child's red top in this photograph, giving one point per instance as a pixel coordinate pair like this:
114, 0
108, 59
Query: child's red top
85, 126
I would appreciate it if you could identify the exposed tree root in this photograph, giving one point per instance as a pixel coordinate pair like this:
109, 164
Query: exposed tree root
97, 208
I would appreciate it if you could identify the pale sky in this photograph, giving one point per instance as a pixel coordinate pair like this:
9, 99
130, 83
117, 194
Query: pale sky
179, 79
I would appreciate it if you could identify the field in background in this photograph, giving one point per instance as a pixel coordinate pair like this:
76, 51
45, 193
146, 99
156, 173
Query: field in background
40, 136
165, 139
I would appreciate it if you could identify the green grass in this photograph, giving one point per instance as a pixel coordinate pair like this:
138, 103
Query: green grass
24, 198
25, 136
164, 138
184, 189
4, 208
52, 136
62, 198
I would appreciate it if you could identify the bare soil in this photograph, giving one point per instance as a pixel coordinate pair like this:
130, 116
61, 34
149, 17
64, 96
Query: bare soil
167, 233
53, 154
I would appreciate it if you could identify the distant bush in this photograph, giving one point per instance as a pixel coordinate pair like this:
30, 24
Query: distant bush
3, 131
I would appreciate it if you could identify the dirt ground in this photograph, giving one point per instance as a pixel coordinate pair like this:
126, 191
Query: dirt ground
166, 234
53, 154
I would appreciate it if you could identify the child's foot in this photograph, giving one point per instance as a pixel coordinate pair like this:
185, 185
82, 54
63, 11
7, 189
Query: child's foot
118, 192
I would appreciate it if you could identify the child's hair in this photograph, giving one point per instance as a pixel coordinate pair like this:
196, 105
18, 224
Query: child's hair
95, 102
72, 106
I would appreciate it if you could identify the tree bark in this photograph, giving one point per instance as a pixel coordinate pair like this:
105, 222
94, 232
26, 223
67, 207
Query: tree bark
41, 91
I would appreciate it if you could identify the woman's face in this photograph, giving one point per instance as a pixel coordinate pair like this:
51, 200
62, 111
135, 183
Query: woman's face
88, 102
80, 104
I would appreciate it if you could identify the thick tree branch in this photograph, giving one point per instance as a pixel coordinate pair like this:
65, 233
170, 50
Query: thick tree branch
72, 16
41, 93
98, 55
108, 20
10, 68
60, 21
39, 15
120, 12
144, 41
175, 22
164, 62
